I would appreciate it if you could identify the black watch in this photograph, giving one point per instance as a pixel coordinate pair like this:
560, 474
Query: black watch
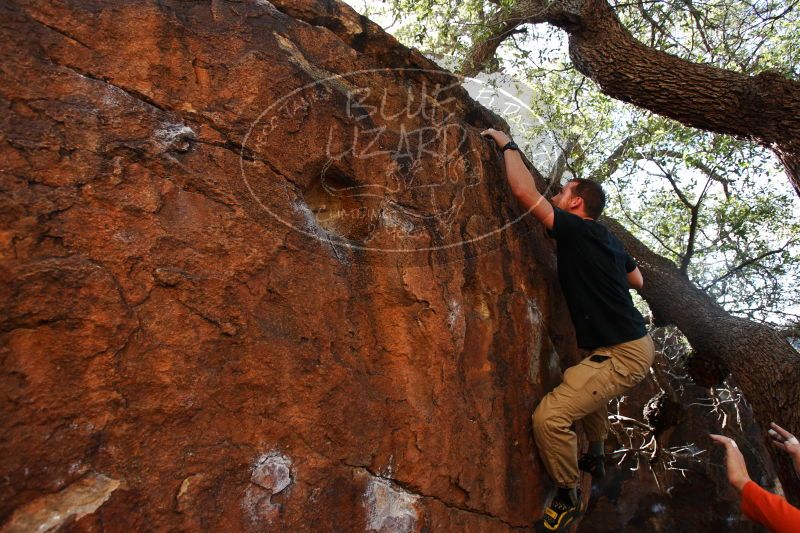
510, 145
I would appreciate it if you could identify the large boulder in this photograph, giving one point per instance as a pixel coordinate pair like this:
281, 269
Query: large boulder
248, 285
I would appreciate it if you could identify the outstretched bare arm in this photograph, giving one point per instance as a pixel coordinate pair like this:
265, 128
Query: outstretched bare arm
521, 180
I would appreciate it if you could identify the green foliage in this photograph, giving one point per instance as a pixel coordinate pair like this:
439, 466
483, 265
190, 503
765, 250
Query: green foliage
745, 251
746, 36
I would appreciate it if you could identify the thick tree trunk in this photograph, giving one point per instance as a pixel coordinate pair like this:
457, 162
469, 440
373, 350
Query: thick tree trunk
763, 363
765, 108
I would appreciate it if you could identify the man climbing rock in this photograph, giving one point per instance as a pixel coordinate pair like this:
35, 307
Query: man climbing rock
596, 274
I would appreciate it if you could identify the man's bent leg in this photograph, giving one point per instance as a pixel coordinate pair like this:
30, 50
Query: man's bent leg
630, 358
583, 391
555, 440
595, 424
557, 443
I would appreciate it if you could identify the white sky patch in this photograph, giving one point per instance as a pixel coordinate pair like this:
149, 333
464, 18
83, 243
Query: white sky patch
505, 93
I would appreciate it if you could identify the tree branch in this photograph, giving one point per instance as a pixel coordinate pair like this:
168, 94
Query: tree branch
615, 159
747, 263
501, 25
764, 107
698, 95
562, 162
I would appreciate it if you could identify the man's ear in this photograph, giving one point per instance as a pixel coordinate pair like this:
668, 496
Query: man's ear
576, 202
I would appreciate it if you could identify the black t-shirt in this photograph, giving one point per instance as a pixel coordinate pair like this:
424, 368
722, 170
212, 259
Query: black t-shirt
592, 268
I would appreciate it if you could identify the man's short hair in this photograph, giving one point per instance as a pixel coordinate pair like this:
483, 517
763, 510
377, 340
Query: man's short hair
594, 198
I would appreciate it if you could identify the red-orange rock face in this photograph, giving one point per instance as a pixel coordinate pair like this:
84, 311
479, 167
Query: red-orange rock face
242, 293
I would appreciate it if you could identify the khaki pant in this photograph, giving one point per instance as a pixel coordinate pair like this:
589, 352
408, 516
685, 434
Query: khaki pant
584, 394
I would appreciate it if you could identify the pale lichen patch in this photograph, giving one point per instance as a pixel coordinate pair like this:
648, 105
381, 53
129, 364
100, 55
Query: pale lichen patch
389, 509
50, 512
176, 137
270, 475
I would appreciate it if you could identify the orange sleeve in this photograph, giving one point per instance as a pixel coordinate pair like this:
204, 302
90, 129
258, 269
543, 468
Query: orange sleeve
769, 510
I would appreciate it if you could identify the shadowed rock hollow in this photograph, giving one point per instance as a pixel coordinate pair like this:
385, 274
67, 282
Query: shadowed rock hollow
240, 293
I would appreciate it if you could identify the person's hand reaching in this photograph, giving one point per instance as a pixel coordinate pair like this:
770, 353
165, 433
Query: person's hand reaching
769, 510
787, 442
500, 138
737, 469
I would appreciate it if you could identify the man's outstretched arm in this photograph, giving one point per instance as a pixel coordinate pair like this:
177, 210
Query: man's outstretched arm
521, 180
